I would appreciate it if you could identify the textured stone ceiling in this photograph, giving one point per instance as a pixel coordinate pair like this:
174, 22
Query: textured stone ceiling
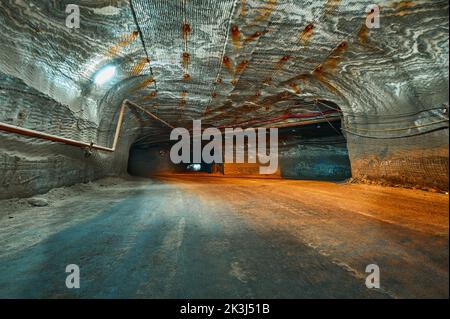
230, 61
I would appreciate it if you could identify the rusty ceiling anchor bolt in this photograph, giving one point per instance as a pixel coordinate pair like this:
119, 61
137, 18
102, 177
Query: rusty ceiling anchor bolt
253, 37
343, 45
267, 80
285, 95
236, 36
186, 29
185, 58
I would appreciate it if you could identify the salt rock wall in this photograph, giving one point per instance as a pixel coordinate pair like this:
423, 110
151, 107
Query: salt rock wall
416, 161
31, 166
247, 60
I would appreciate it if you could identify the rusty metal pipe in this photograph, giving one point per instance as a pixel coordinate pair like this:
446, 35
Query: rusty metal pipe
149, 114
54, 138
50, 137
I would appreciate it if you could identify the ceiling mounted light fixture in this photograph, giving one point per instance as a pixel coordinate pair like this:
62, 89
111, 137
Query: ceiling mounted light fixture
105, 74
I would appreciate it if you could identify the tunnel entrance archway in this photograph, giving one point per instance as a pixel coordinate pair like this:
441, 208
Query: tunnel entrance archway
311, 149
150, 160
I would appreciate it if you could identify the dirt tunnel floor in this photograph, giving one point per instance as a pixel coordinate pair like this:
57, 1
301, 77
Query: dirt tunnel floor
203, 237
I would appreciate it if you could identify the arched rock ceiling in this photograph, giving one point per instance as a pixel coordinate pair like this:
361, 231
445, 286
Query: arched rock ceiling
228, 61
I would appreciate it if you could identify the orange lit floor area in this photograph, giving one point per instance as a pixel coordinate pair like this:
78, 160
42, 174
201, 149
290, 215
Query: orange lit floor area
207, 237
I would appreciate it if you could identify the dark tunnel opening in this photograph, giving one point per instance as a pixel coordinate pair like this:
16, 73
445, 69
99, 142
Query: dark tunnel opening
310, 150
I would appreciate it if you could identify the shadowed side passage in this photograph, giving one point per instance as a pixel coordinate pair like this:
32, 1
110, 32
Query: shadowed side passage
217, 237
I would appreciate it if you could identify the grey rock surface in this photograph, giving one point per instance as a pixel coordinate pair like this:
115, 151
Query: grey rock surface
38, 202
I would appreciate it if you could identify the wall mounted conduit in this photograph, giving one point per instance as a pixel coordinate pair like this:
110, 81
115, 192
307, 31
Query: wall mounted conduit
54, 138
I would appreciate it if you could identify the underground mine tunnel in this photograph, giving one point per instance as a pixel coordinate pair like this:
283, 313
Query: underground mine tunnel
122, 123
